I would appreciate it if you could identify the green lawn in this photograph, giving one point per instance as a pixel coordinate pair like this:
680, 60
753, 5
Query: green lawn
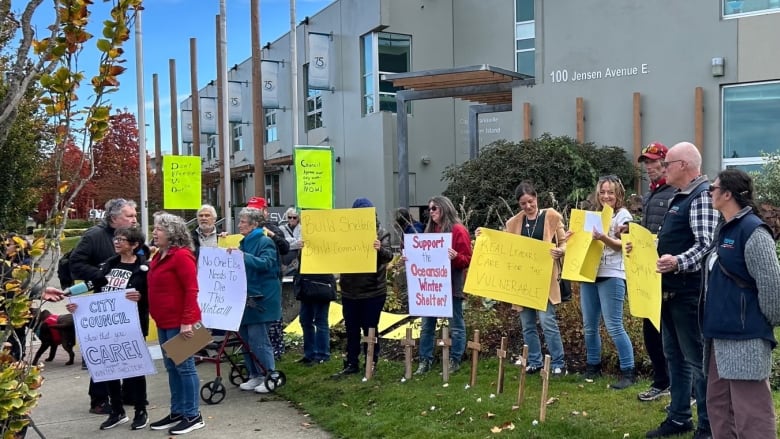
425, 408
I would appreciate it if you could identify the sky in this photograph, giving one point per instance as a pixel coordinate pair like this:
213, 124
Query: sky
167, 26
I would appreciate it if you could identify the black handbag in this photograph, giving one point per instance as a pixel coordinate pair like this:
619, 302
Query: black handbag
314, 290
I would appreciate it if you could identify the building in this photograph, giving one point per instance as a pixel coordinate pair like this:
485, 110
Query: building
613, 72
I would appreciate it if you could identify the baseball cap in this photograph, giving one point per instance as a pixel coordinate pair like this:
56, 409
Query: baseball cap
653, 151
257, 203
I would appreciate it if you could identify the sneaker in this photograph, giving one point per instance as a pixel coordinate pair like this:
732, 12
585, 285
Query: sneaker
531, 370
261, 388
653, 393
670, 428
592, 371
454, 366
423, 367
558, 372
251, 384
702, 433
114, 420
168, 421
139, 420
187, 425
101, 409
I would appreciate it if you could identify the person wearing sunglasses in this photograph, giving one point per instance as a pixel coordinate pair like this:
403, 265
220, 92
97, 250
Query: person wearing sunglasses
683, 239
292, 234
741, 306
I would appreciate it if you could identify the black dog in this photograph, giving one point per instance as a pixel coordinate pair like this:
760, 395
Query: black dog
54, 330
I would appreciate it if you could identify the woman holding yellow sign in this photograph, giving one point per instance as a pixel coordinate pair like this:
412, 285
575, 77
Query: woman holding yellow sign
607, 294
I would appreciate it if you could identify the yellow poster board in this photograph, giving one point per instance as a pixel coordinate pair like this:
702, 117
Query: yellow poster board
642, 281
583, 254
511, 268
181, 182
229, 241
314, 177
338, 241
335, 316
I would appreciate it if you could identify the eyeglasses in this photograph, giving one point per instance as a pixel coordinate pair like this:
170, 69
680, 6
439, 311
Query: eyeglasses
433, 208
666, 164
713, 188
292, 217
120, 239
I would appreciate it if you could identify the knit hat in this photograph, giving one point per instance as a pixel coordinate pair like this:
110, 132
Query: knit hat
257, 203
362, 202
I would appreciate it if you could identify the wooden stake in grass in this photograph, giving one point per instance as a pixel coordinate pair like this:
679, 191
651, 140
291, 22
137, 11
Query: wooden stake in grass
408, 344
370, 341
501, 352
521, 387
545, 373
475, 346
445, 342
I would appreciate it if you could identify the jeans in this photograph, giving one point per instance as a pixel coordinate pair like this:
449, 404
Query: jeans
256, 336
552, 335
183, 380
316, 333
457, 328
359, 315
655, 350
605, 298
683, 346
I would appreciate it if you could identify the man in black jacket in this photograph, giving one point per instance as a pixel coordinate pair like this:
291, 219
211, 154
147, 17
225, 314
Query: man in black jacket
94, 248
206, 233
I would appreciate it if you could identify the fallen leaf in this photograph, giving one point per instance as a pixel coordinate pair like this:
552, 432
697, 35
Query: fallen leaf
552, 401
588, 380
445, 385
467, 387
495, 430
508, 426
625, 435
584, 413
492, 395
460, 411
344, 404
515, 407
305, 424
490, 415
479, 399
433, 407
575, 412
424, 413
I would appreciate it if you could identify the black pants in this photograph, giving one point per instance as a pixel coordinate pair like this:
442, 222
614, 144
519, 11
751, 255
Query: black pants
135, 389
98, 393
655, 350
359, 315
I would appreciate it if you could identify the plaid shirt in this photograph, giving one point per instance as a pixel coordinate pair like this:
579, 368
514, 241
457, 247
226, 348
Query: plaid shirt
703, 219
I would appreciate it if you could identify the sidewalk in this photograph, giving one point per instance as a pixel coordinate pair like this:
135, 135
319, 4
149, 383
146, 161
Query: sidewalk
62, 412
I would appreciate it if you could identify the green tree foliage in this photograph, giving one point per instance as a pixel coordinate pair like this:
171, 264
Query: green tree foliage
767, 181
563, 171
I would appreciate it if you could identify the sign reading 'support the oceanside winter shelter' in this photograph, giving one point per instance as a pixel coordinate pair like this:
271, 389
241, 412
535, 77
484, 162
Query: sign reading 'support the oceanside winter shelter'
314, 177
181, 182
221, 287
429, 274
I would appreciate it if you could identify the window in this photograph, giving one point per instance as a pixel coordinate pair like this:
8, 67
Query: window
239, 191
383, 53
744, 8
211, 147
272, 189
751, 123
525, 37
313, 104
238, 141
271, 133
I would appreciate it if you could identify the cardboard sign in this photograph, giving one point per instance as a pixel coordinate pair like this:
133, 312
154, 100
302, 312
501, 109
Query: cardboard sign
221, 287
643, 282
583, 254
181, 182
180, 348
338, 241
429, 274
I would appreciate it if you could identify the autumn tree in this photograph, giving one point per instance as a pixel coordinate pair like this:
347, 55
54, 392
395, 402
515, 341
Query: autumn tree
116, 160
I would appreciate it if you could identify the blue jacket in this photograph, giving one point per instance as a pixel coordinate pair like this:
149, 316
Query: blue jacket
264, 291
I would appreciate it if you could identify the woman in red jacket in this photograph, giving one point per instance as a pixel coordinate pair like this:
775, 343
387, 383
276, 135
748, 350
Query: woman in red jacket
173, 304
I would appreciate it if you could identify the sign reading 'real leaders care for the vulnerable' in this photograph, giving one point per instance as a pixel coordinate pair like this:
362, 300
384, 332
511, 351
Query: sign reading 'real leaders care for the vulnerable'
109, 333
314, 177
221, 287
428, 274
338, 241
181, 182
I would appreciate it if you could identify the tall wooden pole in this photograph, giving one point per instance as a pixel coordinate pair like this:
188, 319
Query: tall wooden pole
195, 104
157, 139
174, 108
258, 113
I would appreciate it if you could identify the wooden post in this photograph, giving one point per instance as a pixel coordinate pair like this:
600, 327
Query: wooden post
501, 352
445, 343
371, 341
580, 109
527, 121
475, 346
408, 344
637, 141
545, 373
698, 119
521, 387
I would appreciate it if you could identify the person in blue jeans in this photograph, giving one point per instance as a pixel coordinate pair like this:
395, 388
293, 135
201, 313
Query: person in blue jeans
443, 218
606, 296
315, 292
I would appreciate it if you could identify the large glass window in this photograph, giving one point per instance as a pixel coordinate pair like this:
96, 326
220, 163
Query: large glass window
238, 137
751, 123
313, 104
743, 8
525, 37
383, 53
271, 131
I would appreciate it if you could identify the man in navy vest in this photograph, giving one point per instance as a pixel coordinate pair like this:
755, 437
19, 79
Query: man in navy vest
685, 235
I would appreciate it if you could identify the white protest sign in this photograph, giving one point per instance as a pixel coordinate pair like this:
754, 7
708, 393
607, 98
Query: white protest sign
428, 274
221, 287
109, 333
593, 221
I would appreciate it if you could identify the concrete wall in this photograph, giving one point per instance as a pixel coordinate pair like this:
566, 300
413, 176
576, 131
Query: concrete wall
757, 51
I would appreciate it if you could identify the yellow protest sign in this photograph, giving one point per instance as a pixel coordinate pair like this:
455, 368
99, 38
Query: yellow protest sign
229, 241
335, 316
583, 254
314, 177
399, 333
338, 241
643, 283
511, 268
181, 182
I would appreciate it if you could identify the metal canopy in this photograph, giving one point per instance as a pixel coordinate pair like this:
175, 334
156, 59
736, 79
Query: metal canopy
483, 84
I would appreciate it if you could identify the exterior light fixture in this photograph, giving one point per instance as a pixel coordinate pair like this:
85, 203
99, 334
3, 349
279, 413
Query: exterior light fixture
718, 66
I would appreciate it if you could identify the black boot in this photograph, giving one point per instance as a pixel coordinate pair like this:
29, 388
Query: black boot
626, 379
349, 369
592, 371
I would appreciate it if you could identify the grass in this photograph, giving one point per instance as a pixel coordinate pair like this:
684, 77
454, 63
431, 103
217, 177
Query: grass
423, 407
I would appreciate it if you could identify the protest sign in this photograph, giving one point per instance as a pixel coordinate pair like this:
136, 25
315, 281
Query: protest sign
643, 282
314, 177
229, 241
338, 241
511, 268
181, 182
109, 332
583, 253
221, 288
428, 274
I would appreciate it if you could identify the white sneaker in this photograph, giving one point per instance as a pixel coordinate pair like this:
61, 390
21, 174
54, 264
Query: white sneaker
251, 384
262, 389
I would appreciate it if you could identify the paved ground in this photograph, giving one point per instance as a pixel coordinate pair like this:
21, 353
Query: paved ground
63, 409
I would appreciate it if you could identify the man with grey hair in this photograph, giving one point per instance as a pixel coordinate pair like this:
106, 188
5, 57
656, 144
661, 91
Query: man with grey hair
683, 239
94, 248
206, 233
